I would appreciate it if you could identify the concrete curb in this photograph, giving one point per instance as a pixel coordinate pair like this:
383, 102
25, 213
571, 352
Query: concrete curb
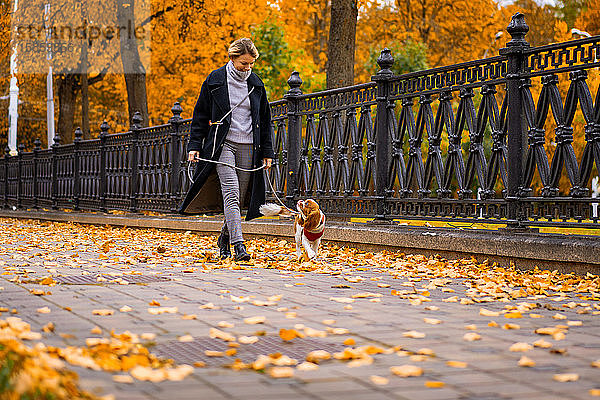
566, 253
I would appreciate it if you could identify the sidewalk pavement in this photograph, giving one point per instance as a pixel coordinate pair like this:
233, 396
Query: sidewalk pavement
563, 252
456, 321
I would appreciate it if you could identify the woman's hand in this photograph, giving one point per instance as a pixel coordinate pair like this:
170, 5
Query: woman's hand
192, 156
267, 162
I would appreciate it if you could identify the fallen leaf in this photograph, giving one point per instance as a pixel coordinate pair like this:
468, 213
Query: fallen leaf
405, 371
103, 312
281, 372
213, 353
511, 326
542, 343
43, 310
342, 299
559, 316
255, 320
122, 378
289, 334
414, 334
307, 366
566, 377
225, 324
525, 361
185, 338
247, 339
432, 321
349, 342
471, 336
379, 380
596, 364
219, 334
317, 356
457, 364
513, 315
471, 327
434, 384
575, 323
520, 347
96, 330
154, 303
125, 309
488, 313
594, 392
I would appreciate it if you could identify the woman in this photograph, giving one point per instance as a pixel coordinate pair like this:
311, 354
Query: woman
231, 124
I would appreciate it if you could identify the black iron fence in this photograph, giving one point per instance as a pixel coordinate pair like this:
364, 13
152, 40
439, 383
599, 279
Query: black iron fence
459, 143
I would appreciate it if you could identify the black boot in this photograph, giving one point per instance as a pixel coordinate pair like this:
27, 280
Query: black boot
223, 243
240, 252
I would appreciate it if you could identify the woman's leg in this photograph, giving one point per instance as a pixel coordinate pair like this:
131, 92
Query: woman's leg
230, 191
234, 184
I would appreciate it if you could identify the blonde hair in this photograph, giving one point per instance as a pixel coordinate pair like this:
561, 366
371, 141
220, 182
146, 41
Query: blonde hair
242, 46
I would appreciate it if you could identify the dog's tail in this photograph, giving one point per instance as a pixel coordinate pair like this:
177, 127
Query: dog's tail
272, 209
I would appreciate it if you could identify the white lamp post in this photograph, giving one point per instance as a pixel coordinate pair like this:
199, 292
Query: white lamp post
49, 92
13, 93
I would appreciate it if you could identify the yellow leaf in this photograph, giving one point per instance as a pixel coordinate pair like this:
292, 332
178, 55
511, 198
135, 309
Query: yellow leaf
213, 353
255, 320
96, 330
526, 362
520, 346
488, 313
307, 366
186, 338
513, 315
566, 377
317, 356
406, 371
289, 334
511, 326
594, 392
247, 339
281, 372
596, 364
122, 378
154, 303
43, 310
434, 384
471, 336
379, 380
414, 334
457, 364
432, 321
542, 343
103, 312
349, 342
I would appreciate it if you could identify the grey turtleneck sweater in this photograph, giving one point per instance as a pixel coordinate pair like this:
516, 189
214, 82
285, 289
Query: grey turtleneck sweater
240, 130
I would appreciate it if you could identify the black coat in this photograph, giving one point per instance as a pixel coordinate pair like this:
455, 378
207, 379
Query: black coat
204, 195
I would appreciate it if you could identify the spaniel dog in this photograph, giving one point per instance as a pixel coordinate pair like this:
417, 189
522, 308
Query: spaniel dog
309, 225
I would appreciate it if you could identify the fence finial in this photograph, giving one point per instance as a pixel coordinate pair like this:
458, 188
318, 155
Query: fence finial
136, 121
518, 28
294, 83
56, 140
176, 110
7, 151
385, 62
21, 148
104, 127
78, 134
37, 144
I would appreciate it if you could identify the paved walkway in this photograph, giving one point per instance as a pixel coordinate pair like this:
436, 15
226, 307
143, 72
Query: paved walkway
456, 321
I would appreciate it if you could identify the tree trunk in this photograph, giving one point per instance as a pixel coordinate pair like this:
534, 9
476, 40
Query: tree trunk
67, 92
133, 70
342, 37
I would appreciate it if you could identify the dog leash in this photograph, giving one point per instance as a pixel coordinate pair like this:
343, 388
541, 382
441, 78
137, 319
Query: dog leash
190, 177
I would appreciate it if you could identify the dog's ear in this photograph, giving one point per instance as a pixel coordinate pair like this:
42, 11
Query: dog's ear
313, 219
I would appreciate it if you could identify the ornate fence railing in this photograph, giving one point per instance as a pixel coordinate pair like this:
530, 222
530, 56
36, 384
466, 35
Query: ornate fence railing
466, 142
